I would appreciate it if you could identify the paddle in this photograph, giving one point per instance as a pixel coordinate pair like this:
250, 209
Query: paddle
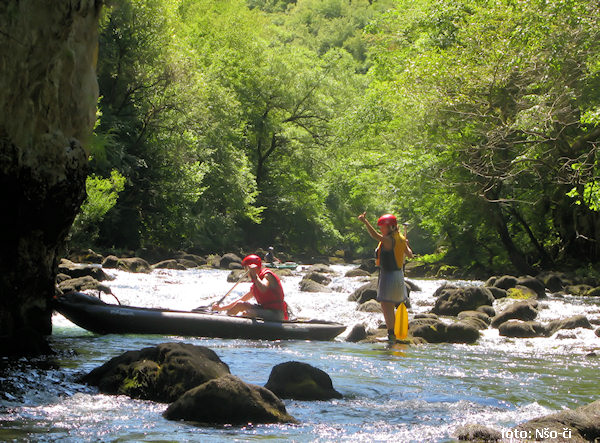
401, 322
204, 308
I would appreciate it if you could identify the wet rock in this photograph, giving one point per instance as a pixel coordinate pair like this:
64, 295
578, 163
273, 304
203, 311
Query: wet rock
435, 331
357, 272
572, 425
301, 381
364, 293
479, 433
88, 256
452, 301
597, 332
370, 306
317, 277
228, 259
74, 270
161, 373
534, 284
368, 265
553, 281
133, 264
412, 286
521, 329
525, 311
505, 282
574, 322
522, 293
488, 310
357, 334
86, 283
498, 292
169, 264
307, 285
578, 290
197, 259
320, 268
228, 400
477, 314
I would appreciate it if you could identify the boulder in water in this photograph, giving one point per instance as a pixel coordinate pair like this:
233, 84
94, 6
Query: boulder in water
301, 381
228, 400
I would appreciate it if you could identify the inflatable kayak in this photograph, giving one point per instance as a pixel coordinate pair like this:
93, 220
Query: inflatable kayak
93, 314
286, 265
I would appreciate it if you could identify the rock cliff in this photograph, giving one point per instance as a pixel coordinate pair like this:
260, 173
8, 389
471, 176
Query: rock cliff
48, 95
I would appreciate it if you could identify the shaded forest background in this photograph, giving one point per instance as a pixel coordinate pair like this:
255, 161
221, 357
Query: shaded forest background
240, 124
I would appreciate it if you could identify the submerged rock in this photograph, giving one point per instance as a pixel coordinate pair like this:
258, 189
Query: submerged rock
571, 425
301, 381
479, 433
229, 400
161, 373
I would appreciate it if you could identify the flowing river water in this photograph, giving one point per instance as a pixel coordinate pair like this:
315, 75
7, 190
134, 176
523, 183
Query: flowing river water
405, 393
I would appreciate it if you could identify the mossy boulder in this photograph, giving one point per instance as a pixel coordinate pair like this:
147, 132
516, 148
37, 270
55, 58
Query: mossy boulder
161, 373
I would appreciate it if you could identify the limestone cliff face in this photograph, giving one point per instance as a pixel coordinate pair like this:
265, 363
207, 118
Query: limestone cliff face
48, 94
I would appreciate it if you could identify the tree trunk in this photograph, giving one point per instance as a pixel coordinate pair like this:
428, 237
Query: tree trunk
48, 95
515, 255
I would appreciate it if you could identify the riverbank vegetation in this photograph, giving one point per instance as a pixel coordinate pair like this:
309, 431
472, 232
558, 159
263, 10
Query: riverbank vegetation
244, 123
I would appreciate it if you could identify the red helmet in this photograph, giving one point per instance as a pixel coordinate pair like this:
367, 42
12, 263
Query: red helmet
387, 219
252, 259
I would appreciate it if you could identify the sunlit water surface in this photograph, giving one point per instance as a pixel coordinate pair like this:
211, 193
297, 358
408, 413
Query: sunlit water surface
418, 393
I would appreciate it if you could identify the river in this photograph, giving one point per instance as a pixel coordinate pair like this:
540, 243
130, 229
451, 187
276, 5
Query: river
406, 393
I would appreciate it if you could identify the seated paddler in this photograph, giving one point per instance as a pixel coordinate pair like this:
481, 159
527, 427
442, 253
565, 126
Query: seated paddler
266, 289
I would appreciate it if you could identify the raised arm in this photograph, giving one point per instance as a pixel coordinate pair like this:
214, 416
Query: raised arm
372, 232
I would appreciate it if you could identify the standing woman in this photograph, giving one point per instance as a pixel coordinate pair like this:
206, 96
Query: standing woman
391, 251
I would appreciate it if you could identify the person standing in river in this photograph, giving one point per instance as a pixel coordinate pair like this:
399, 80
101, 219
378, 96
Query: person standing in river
391, 252
266, 289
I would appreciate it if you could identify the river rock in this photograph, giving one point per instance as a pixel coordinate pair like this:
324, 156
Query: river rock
505, 282
169, 264
230, 259
307, 285
488, 310
318, 277
477, 319
553, 281
86, 283
364, 293
357, 272
229, 400
435, 331
197, 259
498, 292
134, 264
524, 310
161, 373
454, 300
368, 264
597, 332
571, 425
478, 433
576, 321
74, 270
370, 306
88, 256
534, 284
301, 381
357, 333
521, 329
578, 290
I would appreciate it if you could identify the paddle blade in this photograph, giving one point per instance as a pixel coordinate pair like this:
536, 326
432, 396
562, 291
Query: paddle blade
401, 323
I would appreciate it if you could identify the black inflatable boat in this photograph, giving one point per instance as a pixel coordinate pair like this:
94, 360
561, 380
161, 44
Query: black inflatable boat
93, 314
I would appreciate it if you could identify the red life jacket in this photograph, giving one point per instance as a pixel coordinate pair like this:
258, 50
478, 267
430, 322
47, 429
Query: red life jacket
272, 298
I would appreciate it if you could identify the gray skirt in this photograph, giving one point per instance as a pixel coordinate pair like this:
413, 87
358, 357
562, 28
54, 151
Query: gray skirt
391, 287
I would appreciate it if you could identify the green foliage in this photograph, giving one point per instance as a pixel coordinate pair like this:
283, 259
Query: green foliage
241, 123
102, 195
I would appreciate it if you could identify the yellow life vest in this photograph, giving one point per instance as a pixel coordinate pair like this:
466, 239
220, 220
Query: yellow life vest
399, 250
